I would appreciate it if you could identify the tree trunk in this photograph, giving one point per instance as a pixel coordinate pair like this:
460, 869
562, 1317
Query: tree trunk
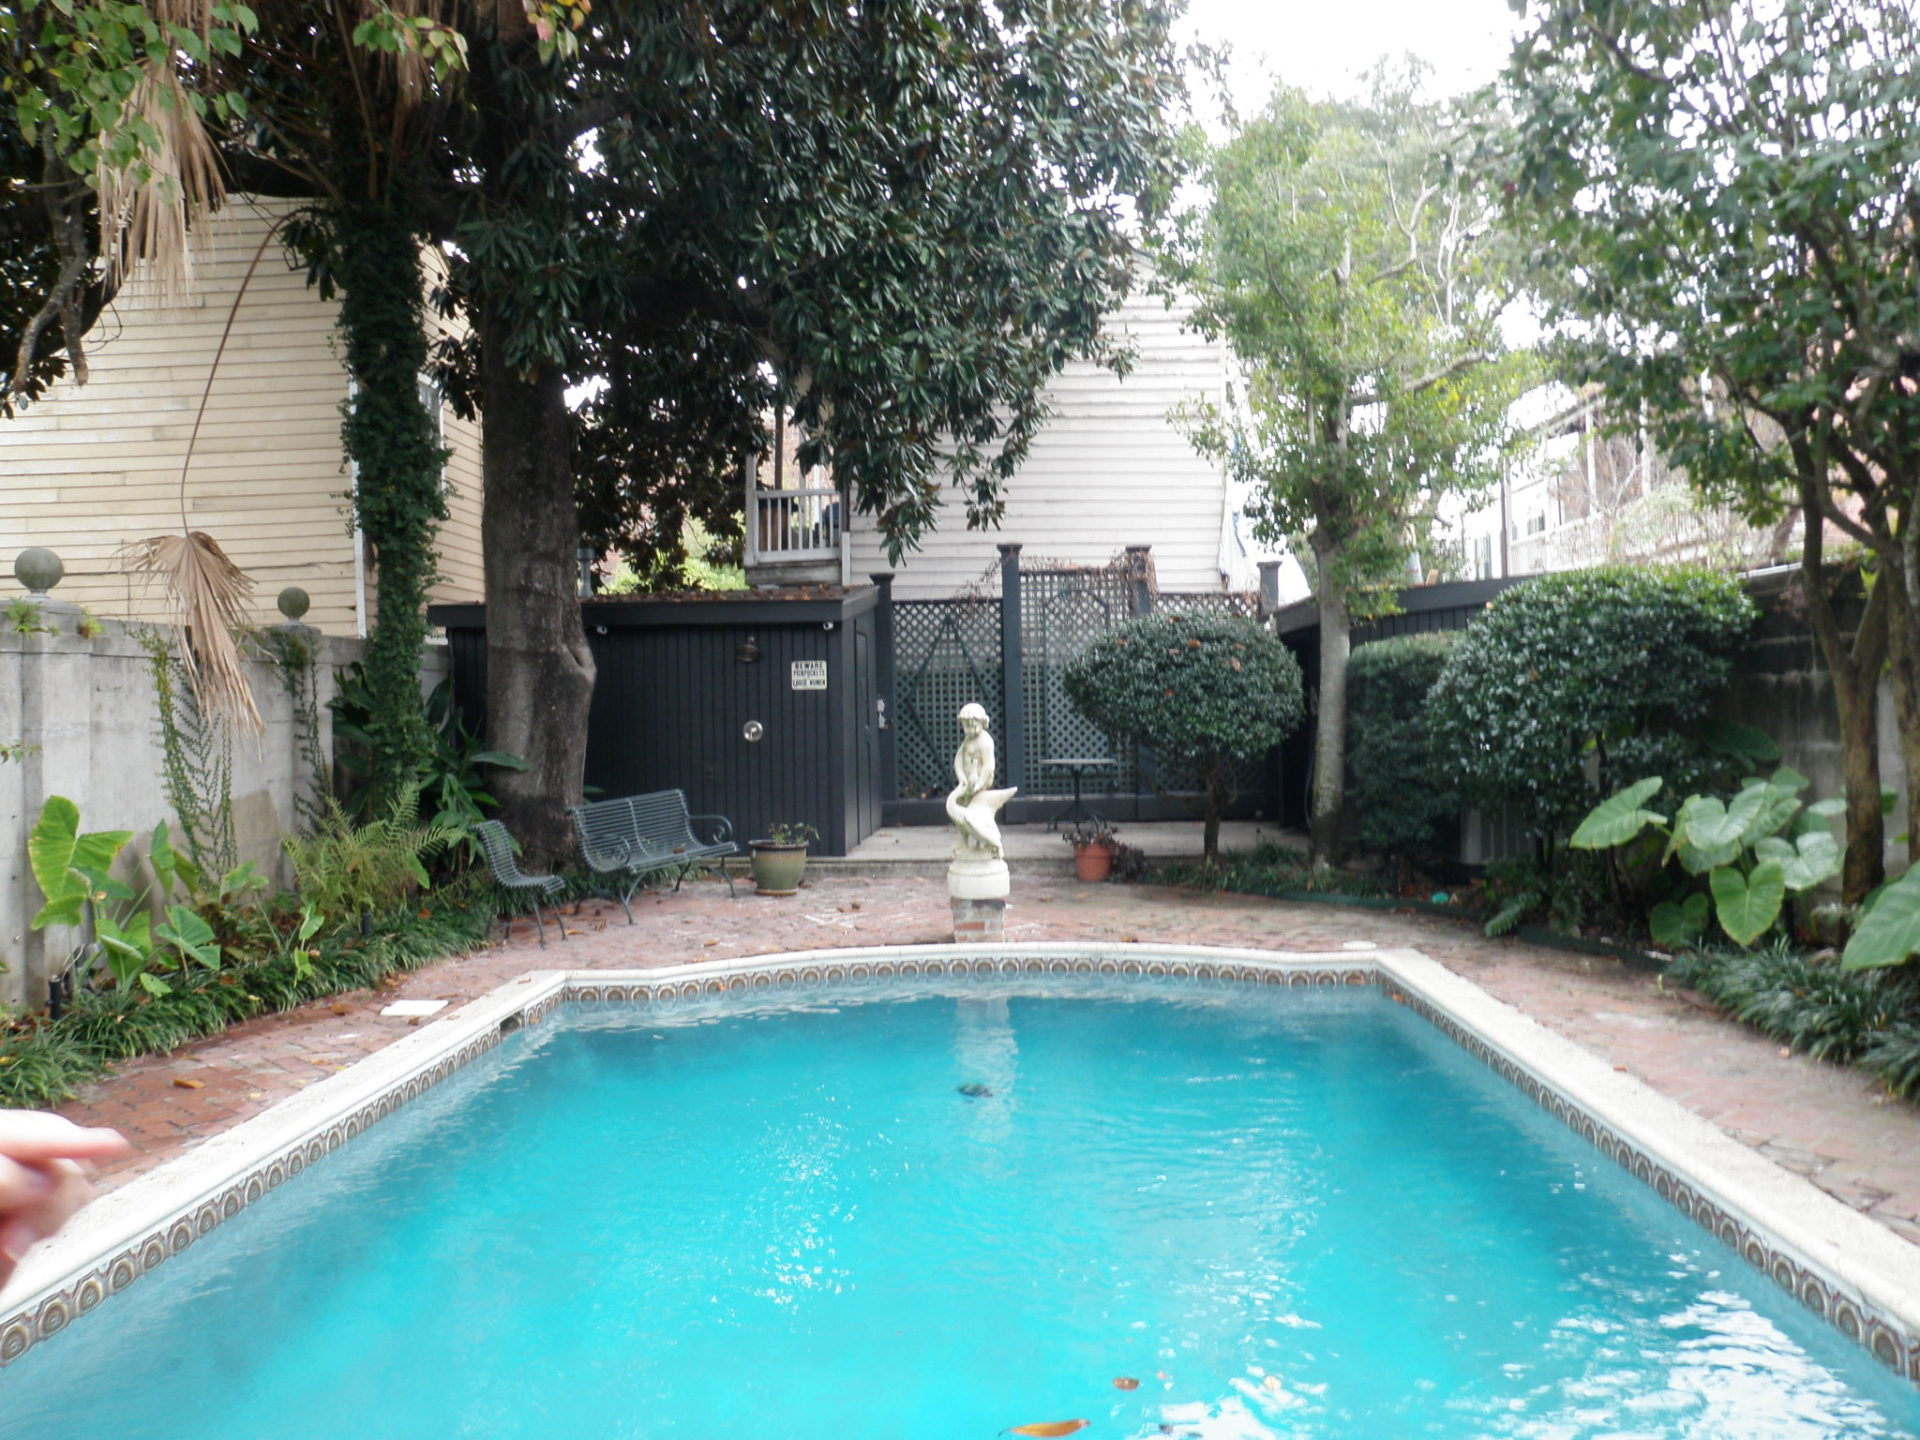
1903, 643
539, 671
1219, 783
397, 463
1855, 672
1330, 734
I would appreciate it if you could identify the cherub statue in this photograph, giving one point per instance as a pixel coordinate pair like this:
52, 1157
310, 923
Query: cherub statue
972, 806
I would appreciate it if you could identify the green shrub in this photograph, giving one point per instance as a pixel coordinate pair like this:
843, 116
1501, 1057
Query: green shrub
1199, 691
1614, 666
1400, 804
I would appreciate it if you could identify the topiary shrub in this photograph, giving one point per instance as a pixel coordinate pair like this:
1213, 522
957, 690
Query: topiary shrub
1199, 691
1401, 806
1611, 668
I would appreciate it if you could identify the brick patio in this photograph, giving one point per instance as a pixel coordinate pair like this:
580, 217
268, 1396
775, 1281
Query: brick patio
1829, 1124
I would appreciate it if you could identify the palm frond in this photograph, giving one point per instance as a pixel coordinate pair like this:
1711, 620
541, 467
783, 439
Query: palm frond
209, 595
151, 207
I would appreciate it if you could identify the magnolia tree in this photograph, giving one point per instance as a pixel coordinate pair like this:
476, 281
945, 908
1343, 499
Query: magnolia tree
1356, 278
1203, 693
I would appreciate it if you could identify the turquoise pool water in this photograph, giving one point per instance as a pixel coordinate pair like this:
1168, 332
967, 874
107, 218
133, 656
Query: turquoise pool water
1293, 1214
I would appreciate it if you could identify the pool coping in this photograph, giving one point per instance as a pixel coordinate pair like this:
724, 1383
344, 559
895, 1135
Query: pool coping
1854, 1273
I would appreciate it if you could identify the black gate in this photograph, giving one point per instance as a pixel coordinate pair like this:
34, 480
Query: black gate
1062, 610
946, 654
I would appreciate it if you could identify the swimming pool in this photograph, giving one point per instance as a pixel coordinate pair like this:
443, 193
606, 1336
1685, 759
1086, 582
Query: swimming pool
949, 1204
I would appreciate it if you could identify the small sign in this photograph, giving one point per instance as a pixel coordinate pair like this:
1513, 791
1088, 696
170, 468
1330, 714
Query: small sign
809, 674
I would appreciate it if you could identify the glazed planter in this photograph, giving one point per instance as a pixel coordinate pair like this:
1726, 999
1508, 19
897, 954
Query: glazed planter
1092, 862
777, 868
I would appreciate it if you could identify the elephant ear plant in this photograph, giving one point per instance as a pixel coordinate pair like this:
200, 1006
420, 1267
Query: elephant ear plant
73, 871
1751, 852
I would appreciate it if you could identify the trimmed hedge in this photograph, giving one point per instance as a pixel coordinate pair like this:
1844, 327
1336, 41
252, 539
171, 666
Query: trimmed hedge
1196, 689
1616, 665
1397, 794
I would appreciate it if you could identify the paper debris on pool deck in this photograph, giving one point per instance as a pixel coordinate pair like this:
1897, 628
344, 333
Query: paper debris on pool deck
406, 1008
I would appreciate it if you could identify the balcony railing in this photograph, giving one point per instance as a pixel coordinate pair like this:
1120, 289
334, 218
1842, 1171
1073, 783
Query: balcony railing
784, 525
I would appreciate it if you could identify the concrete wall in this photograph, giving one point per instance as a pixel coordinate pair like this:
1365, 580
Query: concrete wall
86, 713
1782, 686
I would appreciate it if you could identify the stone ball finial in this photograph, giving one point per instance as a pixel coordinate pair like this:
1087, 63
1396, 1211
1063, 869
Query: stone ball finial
293, 603
39, 569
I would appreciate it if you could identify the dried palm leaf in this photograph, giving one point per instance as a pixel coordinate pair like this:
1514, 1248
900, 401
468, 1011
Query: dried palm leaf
209, 594
150, 207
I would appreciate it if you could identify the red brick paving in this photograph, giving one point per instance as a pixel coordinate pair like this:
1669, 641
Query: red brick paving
1830, 1124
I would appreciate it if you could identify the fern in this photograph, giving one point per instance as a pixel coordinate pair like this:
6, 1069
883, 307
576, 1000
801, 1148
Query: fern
345, 870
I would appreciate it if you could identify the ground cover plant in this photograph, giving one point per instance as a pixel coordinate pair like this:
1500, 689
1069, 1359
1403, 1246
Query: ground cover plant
1812, 1003
44, 1060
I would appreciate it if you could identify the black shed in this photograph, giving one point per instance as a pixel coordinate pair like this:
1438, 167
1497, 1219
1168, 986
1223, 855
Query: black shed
761, 705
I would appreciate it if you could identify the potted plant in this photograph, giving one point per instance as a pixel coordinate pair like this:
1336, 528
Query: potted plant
1093, 845
781, 859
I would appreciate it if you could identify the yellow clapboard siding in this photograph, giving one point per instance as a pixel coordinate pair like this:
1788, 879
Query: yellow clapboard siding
90, 467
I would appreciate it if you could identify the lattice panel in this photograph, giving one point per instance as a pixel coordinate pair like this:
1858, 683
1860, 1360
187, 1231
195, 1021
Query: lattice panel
947, 653
1061, 612
1207, 602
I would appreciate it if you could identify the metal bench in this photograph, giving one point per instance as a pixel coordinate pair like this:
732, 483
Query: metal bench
639, 836
507, 874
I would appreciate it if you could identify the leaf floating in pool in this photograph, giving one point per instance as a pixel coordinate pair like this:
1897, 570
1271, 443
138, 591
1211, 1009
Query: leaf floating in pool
1125, 1382
1048, 1428
974, 1090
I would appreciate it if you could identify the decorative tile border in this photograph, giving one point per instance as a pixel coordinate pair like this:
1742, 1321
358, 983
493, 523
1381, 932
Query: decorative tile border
447, 1046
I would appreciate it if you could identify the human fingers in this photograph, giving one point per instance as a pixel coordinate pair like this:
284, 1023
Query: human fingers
63, 1190
37, 1135
22, 1187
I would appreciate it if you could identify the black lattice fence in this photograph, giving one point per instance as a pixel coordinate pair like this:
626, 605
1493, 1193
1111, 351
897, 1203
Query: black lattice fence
947, 653
1208, 602
1063, 609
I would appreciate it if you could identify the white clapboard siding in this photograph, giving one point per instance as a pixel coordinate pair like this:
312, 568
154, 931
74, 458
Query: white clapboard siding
1109, 470
92, 467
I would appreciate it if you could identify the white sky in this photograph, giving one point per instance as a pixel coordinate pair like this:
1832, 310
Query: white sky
1322, 45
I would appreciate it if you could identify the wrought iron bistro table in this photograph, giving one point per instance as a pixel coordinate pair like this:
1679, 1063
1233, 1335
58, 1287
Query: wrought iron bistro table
1077, 765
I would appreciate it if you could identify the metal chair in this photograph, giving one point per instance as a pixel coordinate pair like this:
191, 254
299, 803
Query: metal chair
508, 875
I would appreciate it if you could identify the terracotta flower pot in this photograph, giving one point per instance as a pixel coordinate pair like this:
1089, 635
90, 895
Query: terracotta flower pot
1092, 862
777, 868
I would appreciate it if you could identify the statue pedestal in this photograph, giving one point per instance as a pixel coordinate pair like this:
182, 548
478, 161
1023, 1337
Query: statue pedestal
978, 887
972, 876
979, 921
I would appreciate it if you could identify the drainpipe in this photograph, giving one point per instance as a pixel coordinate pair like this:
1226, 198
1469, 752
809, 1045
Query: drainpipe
1013, 697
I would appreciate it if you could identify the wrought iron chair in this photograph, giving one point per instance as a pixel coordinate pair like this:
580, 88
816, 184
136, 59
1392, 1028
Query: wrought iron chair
508, 875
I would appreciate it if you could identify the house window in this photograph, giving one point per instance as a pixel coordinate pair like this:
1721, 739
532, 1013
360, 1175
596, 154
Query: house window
434, 402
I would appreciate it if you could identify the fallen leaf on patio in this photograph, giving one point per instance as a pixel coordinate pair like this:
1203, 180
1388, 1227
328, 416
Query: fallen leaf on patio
340, 1007
1129, 939
1621, 1068
315, 1060
180, 1082
414, 1021
705, 943
1048, 1428
1125, 1382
